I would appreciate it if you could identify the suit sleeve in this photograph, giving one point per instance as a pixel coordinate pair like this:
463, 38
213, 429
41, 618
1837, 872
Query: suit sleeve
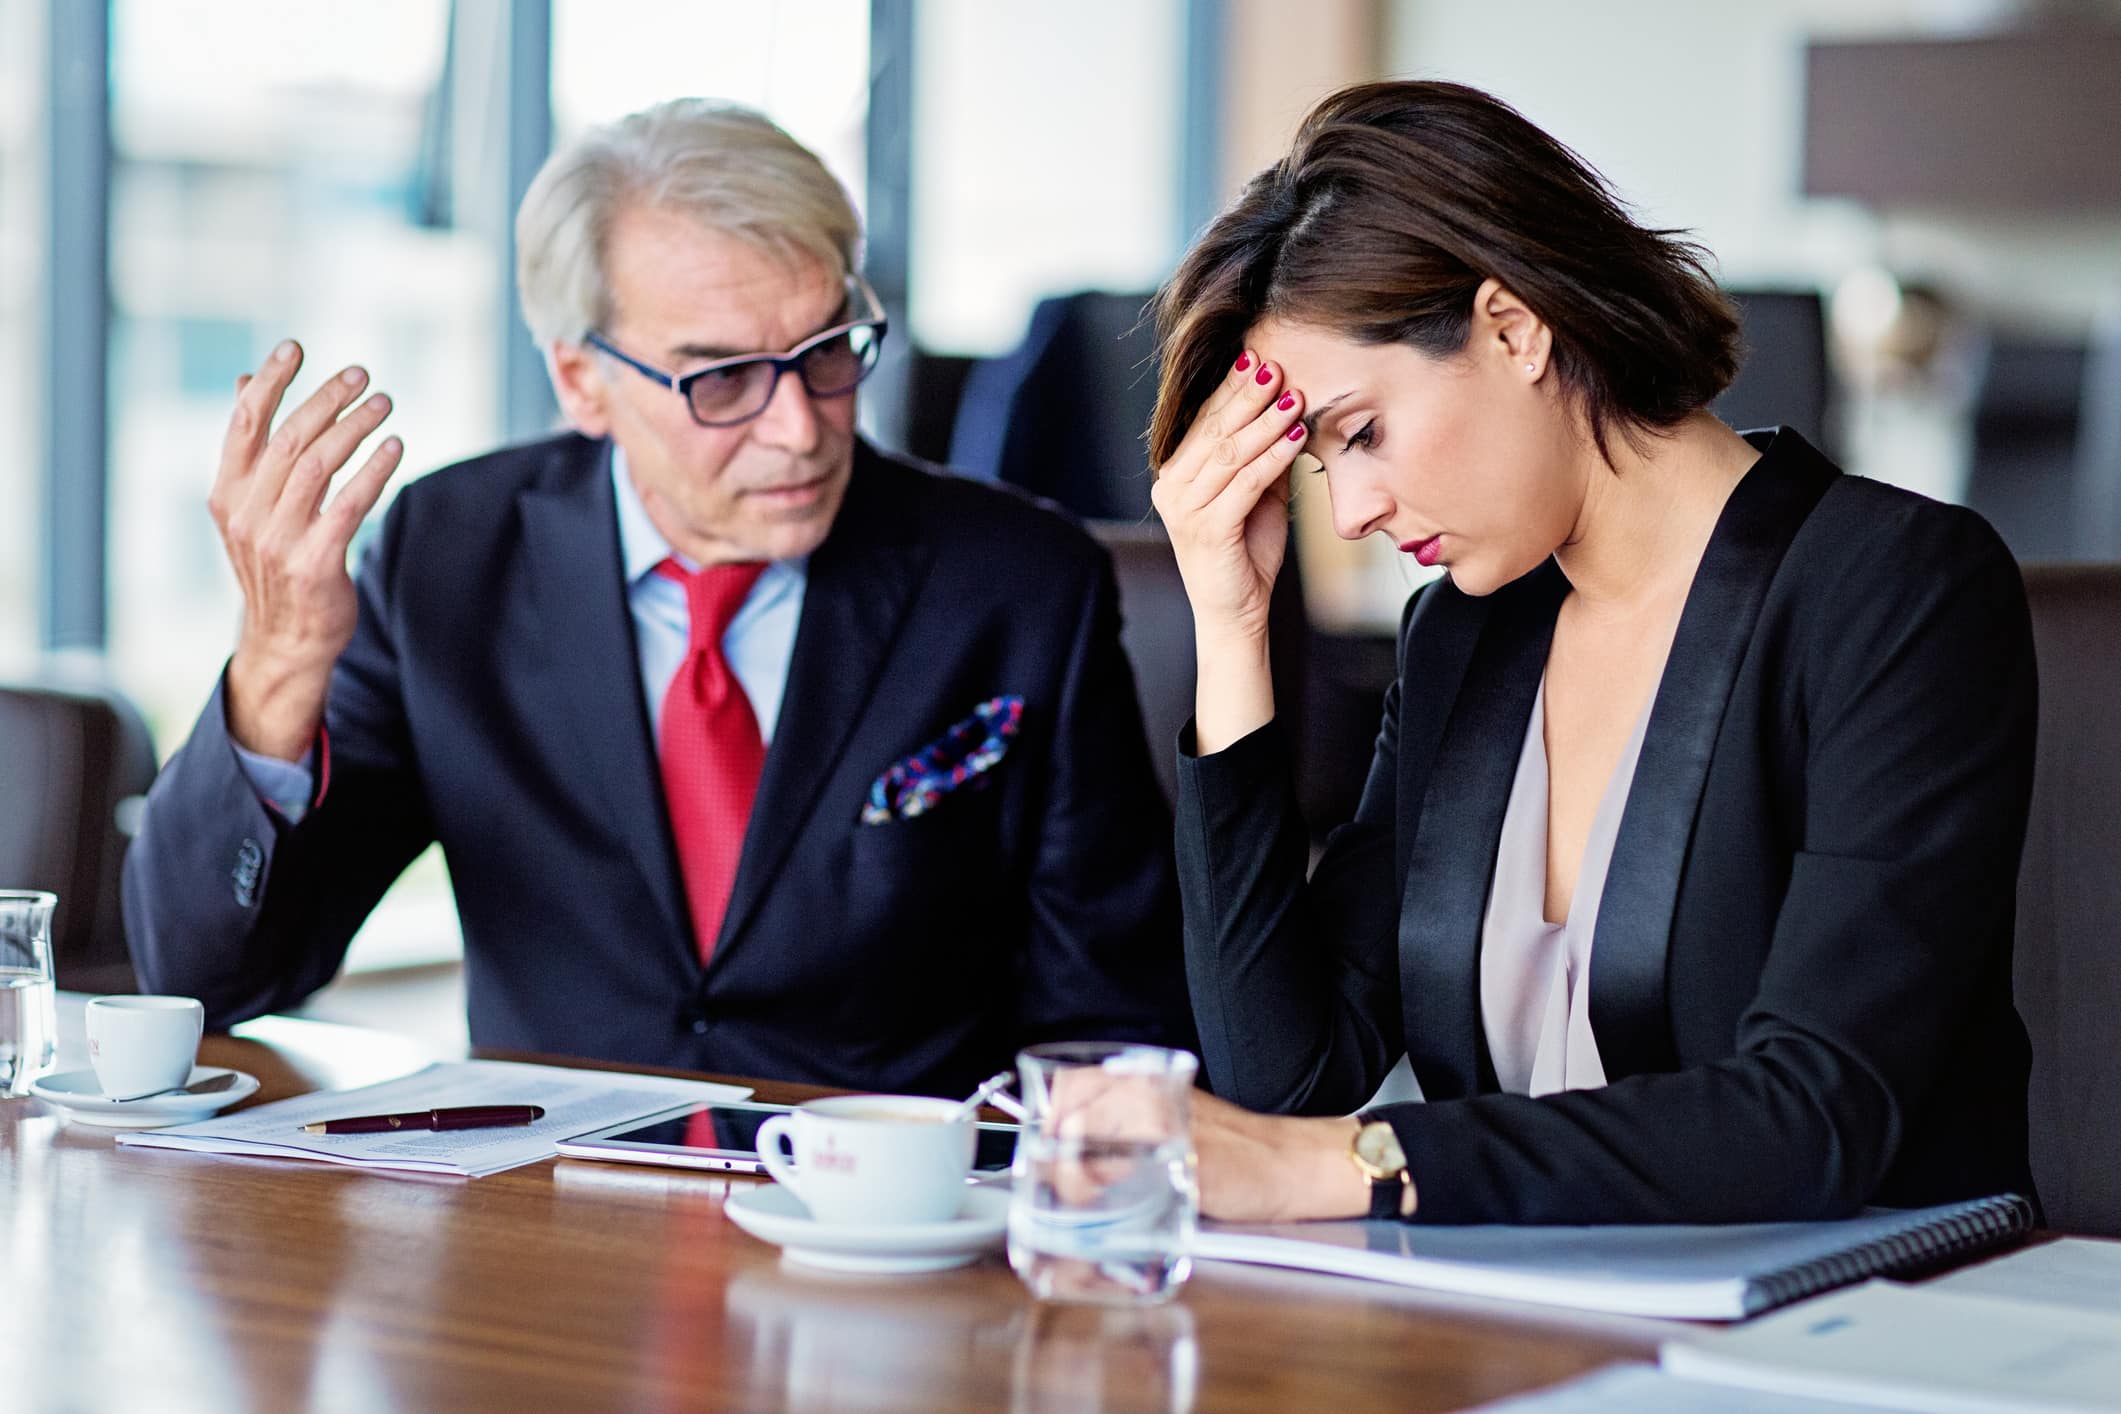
227, 901
1919, 708
1102, 960
1295, 983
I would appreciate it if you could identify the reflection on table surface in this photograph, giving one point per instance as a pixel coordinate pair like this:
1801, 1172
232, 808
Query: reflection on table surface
157, 1279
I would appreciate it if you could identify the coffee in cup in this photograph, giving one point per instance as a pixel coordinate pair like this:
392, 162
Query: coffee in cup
880, 1159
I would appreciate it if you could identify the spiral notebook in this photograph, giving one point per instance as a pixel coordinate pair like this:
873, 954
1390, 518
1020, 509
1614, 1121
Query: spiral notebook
1718, 1273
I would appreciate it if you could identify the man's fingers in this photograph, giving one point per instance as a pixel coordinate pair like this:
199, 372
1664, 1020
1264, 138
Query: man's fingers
257, 399
343, 516
302, 427
314, 468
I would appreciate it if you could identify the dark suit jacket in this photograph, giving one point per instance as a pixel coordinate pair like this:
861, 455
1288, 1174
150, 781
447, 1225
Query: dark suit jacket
1801, 976
490, 699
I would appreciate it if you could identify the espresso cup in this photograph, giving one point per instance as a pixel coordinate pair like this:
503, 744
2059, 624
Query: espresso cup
872, 1158
139, 1045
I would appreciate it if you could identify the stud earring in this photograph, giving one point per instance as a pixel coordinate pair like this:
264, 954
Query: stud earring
1531, 368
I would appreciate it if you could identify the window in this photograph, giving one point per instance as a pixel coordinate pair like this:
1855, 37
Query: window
264, 183
805, 66
22, 218
267, 182
1028, 181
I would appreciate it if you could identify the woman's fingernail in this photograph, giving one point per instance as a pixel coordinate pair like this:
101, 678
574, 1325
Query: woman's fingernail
353, 377
285, 352
1288, 400
1244, 361
1264, 376
1296, 433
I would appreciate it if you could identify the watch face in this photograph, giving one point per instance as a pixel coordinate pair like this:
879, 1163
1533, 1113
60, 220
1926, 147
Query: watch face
1378, 1147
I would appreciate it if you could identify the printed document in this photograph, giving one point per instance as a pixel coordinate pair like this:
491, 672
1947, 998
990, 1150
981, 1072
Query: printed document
575, 1101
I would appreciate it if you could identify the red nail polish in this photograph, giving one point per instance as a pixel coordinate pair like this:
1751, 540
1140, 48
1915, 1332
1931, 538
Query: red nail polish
1264, 376
1244, 361
1288, 400
1296, 433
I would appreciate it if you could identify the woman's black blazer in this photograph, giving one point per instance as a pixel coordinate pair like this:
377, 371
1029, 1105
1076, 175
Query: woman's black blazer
1801, 976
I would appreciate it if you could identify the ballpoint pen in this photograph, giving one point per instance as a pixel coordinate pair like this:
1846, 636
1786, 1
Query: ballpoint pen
462, 1117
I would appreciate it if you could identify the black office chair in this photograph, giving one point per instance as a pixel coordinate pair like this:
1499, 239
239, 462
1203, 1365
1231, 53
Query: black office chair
2023, 471
73, 764
1156, 632
933, 386
1782, 374
2068, 982
2098, 484
1063, 414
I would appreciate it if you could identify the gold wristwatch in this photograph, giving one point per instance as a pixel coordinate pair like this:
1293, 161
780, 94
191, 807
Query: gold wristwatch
1375, 1150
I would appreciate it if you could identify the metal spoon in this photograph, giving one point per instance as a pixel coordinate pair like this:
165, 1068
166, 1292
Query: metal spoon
211, 1085
990, 1093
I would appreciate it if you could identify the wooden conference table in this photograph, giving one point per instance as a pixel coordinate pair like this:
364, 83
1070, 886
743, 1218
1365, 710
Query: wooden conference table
155, 1280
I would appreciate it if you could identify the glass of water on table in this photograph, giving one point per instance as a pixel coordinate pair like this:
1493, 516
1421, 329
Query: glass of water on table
29, 1033
1105, 1203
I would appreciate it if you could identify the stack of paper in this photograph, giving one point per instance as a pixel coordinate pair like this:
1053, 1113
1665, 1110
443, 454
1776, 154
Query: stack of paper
575, 1101
2038, 1330
1645, 1389
1920, 1348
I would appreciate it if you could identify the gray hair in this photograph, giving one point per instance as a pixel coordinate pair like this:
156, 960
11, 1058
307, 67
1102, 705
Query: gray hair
725, 165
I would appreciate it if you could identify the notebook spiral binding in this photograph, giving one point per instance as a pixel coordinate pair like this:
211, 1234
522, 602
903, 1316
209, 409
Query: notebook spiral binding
1925, 1242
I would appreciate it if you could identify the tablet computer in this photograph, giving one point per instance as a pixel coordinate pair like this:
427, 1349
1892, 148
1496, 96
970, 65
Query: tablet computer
724, 1136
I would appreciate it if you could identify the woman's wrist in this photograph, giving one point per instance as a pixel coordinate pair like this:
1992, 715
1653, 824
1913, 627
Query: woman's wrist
1323, 1179
1233, 692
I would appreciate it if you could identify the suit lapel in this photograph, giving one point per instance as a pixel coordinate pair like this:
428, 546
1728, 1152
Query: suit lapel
1629, 1014
1494, 652
860, 584
592, 682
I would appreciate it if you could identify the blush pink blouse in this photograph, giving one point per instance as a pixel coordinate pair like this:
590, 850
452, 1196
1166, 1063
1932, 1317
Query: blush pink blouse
1535, 976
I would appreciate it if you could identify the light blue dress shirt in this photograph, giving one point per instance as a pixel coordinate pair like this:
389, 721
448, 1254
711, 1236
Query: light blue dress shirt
759, 643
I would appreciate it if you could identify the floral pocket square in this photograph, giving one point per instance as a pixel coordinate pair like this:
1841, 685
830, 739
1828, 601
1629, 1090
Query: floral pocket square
962, 754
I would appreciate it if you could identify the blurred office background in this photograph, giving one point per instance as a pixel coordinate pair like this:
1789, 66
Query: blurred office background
1918, 203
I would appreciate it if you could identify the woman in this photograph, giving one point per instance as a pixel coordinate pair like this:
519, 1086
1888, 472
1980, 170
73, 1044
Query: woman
1685, 868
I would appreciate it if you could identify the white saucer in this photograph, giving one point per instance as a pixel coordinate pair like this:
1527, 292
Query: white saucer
77, 1093
771, 1213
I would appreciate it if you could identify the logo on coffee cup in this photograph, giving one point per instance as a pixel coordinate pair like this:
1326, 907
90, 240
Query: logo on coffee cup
831, 1160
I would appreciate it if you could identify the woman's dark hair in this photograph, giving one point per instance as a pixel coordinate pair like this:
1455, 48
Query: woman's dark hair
1395, 202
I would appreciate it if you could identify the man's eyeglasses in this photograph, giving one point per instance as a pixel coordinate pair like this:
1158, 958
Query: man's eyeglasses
735, 390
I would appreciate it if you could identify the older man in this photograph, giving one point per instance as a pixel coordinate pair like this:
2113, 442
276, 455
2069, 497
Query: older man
750, 748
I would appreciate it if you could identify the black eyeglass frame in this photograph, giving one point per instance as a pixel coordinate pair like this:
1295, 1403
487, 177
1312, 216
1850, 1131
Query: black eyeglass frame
789, 362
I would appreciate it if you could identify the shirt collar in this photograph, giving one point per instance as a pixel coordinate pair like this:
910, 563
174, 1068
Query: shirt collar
641, 546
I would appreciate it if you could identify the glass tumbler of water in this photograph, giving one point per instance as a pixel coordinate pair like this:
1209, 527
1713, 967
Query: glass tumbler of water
29, 1032
1105, 1203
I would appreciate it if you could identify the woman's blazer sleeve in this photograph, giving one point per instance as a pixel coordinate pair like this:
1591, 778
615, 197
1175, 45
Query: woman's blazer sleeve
1295, 983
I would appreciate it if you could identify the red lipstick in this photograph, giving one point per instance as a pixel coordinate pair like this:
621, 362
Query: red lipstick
1424, 551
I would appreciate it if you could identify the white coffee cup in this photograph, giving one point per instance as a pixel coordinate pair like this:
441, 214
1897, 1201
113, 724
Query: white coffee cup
139, 1045
873, 1158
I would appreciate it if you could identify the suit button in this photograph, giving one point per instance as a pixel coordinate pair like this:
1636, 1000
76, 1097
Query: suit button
699, 1026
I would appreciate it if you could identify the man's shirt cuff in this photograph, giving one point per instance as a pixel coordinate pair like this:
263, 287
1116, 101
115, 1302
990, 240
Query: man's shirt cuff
289, 787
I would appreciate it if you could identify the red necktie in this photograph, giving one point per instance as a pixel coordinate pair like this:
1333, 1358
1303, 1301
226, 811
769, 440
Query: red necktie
712, 752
